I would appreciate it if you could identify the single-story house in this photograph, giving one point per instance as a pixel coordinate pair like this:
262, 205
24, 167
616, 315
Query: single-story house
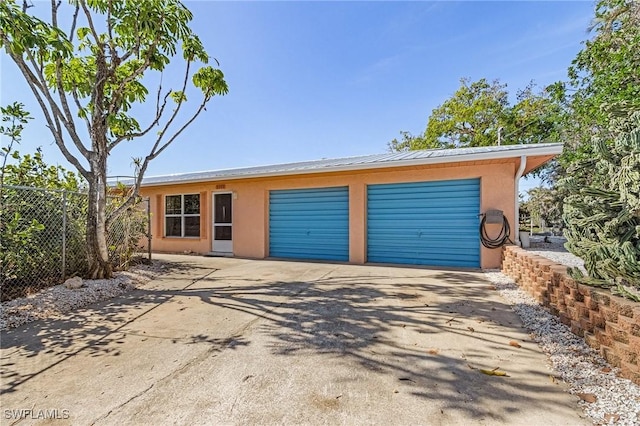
417, 207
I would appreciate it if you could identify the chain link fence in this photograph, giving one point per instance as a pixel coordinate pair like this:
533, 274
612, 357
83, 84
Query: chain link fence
43, 237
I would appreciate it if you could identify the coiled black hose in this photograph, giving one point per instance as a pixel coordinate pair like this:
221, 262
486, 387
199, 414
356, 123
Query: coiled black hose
500, 240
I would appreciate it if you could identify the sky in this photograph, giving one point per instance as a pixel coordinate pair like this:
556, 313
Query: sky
329, 79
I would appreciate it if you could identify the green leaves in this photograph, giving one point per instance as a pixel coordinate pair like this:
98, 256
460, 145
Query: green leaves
543, 205
77, 75
606, 72
31, 170
192, 49
210, 81
122, 124
178, 97
158, 23
479, 110
471, 117
22, 33
14, 117
82, 32
17, 117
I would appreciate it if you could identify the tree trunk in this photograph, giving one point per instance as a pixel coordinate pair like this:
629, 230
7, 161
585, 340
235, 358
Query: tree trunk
97, 251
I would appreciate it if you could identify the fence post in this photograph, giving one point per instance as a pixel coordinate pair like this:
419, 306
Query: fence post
64, 234
149, 226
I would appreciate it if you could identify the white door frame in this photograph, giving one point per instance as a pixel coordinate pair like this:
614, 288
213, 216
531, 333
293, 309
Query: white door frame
220, 246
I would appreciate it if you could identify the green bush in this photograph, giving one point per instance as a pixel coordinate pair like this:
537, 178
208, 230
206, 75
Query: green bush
602, 212
37, 223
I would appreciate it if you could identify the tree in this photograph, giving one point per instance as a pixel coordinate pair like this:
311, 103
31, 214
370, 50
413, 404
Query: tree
536, 117
92, 77
604, 80
471, 117
479, 111
606, 72
16, 117
603, 86
31, 223
410, 142
603, 216
543, 206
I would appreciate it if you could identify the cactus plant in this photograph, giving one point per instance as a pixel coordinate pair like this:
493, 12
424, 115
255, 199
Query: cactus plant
602, 214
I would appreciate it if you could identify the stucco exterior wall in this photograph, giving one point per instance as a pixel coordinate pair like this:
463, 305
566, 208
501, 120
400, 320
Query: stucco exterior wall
251, 201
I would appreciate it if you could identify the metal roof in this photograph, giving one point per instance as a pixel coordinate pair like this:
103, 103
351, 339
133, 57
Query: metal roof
364, 162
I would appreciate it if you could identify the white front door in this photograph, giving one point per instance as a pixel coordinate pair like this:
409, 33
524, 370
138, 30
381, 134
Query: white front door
222, 222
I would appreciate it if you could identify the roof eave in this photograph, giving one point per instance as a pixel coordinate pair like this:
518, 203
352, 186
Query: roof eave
529, 150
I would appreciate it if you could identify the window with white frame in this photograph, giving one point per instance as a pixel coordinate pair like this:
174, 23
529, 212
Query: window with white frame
182, 215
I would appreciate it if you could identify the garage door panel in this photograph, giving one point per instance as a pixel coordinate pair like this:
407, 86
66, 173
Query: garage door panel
293, 222
309, 223
418, 229
424, 223
324, 237
434, 241
433, 223
425, 253
443, 196
428, 260
310, 206
313, 216
461, 207
460, 246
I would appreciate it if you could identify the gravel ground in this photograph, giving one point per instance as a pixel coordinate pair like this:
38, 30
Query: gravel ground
54, 301
555, 251
604, 397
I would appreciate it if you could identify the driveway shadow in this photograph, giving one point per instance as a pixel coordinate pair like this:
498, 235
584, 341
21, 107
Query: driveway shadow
423, 333
433, 339
96, 330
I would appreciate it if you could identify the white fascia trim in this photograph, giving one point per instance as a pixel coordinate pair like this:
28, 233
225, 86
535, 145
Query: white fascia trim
530, 150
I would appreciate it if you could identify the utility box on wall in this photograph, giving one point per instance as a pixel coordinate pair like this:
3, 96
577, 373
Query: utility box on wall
494, 216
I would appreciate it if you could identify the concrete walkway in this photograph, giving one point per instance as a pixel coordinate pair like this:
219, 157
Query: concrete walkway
232, 341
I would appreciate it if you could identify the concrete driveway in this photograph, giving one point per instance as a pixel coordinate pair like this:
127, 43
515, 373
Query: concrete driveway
232, 341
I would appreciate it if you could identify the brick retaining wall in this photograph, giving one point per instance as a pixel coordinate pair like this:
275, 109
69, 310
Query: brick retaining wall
607, 323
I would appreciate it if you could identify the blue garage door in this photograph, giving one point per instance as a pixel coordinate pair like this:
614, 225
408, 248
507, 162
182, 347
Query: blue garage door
309, 223
424, 223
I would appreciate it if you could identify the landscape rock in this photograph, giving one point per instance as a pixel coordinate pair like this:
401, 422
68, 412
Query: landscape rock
73, 283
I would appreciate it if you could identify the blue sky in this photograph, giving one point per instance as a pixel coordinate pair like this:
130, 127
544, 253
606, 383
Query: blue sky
312, 80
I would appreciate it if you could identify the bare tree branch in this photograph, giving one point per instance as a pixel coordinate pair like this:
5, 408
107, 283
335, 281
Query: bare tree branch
74, 93
25, 6
152, 155
195, 115
113, 52
35, 87
36, 75
109, 26
158, 96
38, 69
54, 13
175, 111
44, 89
92, 27
145, 131
74, 21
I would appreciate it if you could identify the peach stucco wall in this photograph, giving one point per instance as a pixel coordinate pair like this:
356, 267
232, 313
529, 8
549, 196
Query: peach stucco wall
251, 200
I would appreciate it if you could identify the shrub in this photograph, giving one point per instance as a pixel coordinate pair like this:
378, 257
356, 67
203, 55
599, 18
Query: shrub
602, 213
